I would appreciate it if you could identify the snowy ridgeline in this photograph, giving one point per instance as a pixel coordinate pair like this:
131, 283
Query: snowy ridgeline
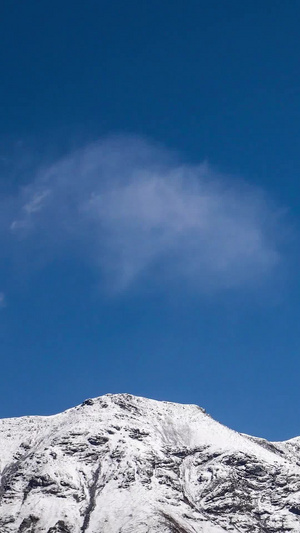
123, 464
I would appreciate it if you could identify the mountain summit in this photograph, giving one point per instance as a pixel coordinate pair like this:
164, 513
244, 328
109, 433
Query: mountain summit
124, 464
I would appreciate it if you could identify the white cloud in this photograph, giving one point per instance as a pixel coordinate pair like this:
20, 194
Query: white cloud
133, 211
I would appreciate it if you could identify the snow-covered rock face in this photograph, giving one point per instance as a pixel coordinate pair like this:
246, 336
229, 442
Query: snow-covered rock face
123, 464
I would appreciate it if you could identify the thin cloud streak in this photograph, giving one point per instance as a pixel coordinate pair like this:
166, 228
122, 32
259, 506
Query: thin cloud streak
2, 300
133, 211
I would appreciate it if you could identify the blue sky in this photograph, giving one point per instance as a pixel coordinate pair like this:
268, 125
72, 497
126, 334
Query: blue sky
149, 206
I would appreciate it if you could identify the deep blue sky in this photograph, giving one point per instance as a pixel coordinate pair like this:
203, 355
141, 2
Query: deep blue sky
114, 278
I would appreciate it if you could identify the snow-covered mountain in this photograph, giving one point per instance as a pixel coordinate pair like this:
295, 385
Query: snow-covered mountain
124, 464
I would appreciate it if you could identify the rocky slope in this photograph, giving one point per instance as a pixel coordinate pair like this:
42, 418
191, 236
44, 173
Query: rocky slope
123, 464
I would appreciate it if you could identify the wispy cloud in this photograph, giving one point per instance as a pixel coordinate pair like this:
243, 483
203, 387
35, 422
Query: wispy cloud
134, 211
2, 300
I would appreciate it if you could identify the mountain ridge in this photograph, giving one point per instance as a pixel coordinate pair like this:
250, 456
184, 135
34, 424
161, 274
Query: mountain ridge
121, 463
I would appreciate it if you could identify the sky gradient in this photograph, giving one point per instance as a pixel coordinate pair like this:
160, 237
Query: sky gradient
149, 207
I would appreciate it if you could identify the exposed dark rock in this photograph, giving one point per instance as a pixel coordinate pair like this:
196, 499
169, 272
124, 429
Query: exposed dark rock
295, 510
98, 440
60, 527
89, 401
28, 525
